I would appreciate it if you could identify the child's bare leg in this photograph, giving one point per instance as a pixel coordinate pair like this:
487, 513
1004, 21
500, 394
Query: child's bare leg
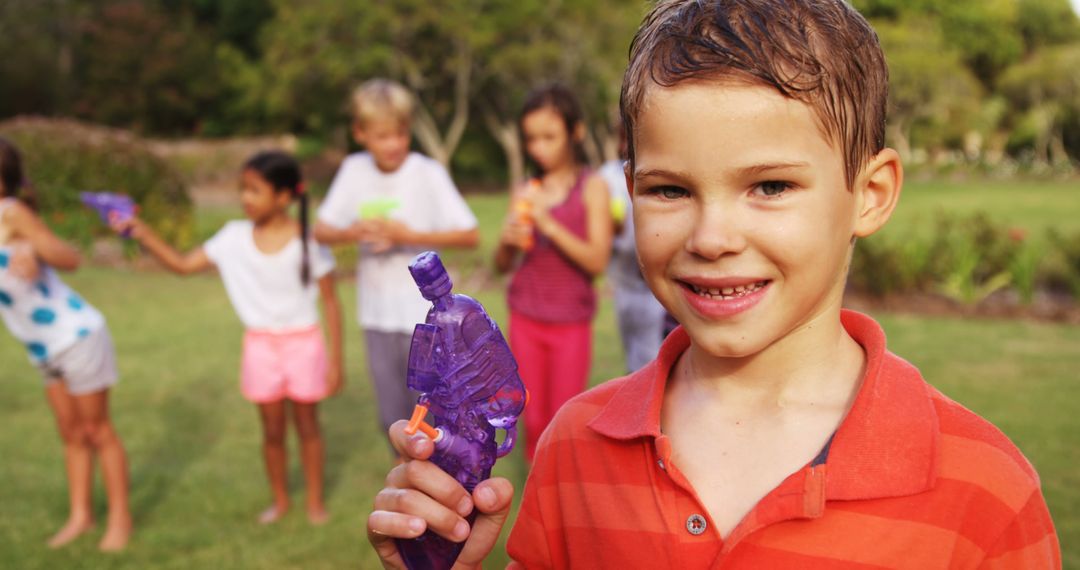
94, 413
311, 454
78, 463
274, 454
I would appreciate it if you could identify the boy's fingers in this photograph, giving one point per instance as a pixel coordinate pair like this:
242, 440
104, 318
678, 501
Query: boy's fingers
493, 498
382, 527
432, 481
411, 502
416, 446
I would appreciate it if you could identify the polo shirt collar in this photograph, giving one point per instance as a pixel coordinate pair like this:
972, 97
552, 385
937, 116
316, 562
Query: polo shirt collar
885, 447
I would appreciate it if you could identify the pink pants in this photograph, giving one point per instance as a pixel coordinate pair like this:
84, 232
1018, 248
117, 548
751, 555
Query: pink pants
553, 360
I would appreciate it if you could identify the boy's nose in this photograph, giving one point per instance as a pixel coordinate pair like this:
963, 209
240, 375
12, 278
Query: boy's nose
717, 231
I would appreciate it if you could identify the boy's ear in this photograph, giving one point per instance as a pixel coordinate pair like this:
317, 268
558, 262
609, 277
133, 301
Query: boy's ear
877, 190
358, 133
629, 174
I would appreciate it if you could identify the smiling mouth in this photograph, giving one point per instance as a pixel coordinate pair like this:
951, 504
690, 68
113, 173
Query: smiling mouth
726, 293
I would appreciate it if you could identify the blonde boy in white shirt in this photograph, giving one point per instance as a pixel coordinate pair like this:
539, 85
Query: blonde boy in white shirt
394, 203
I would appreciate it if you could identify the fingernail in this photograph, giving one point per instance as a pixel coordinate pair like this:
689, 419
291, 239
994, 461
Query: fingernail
416, 525
464, 506
461, 530
486, 496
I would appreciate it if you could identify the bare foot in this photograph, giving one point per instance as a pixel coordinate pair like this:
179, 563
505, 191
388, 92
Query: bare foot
70, 531
317, 515
273, 514
116, 537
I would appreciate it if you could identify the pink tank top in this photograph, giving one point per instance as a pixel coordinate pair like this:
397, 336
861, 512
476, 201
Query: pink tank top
548, 287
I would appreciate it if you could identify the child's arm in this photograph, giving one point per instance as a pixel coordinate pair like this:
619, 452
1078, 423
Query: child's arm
514, 238
330, 235
47, 246
332, 316
592, 253
418, 494
397, 233
183, 264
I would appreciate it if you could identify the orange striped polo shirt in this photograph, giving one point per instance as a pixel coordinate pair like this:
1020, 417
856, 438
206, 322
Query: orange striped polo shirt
910, 479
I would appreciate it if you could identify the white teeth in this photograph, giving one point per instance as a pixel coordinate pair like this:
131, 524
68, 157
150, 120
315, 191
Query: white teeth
728, 292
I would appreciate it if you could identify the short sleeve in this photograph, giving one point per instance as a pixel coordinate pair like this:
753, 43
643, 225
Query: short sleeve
217, 248
454, 213
339, 207
322, 260
1028, 542
528, 545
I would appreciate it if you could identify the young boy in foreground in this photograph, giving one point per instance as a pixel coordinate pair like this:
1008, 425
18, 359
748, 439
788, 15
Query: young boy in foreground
774, 430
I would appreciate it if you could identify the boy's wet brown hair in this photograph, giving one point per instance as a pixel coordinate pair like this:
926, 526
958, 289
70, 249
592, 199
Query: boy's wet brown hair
820, 52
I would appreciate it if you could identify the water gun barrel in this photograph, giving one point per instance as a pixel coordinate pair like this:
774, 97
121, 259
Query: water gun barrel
108, 203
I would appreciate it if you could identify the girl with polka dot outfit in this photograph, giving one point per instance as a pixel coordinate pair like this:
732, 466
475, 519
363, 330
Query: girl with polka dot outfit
66, 338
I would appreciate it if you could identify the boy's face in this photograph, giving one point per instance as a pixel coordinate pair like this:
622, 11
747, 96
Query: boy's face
743, 218
386, 139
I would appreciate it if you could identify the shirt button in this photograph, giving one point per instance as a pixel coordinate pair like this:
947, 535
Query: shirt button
696, 524
660, 462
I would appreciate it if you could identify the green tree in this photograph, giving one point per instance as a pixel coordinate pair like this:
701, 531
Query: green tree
931, 93
140, 67
1046, 88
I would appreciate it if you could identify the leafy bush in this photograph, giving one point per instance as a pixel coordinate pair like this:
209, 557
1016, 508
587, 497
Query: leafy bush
63, 158
1065, 261
963, 258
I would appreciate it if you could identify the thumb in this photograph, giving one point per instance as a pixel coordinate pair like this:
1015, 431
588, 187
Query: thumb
492, 499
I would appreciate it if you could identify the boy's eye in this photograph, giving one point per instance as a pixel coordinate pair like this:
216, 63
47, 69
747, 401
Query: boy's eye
772, 188
668, 192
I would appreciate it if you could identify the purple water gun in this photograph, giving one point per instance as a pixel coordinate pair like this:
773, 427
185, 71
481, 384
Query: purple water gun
467, 377
107, 202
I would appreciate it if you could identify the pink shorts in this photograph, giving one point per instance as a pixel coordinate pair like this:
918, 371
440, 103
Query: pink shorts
278, 365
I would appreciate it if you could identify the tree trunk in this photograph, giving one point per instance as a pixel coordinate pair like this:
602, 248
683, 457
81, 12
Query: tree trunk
506, 134
1058, 154
439, 146
900, 138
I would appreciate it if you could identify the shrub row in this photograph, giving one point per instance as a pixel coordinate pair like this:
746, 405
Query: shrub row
63, 158
967, 258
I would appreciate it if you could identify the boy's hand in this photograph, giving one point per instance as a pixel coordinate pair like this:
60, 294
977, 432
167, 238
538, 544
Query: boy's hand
367, 232
24, 262
418, 495
390, 231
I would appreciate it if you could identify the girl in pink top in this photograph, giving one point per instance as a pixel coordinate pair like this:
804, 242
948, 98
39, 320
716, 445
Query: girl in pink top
556, 238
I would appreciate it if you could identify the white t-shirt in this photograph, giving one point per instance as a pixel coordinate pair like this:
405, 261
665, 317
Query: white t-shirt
265, 289
421, 195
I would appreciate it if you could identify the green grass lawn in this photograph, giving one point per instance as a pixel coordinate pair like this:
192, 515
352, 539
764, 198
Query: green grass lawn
197, 480
1032, 205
